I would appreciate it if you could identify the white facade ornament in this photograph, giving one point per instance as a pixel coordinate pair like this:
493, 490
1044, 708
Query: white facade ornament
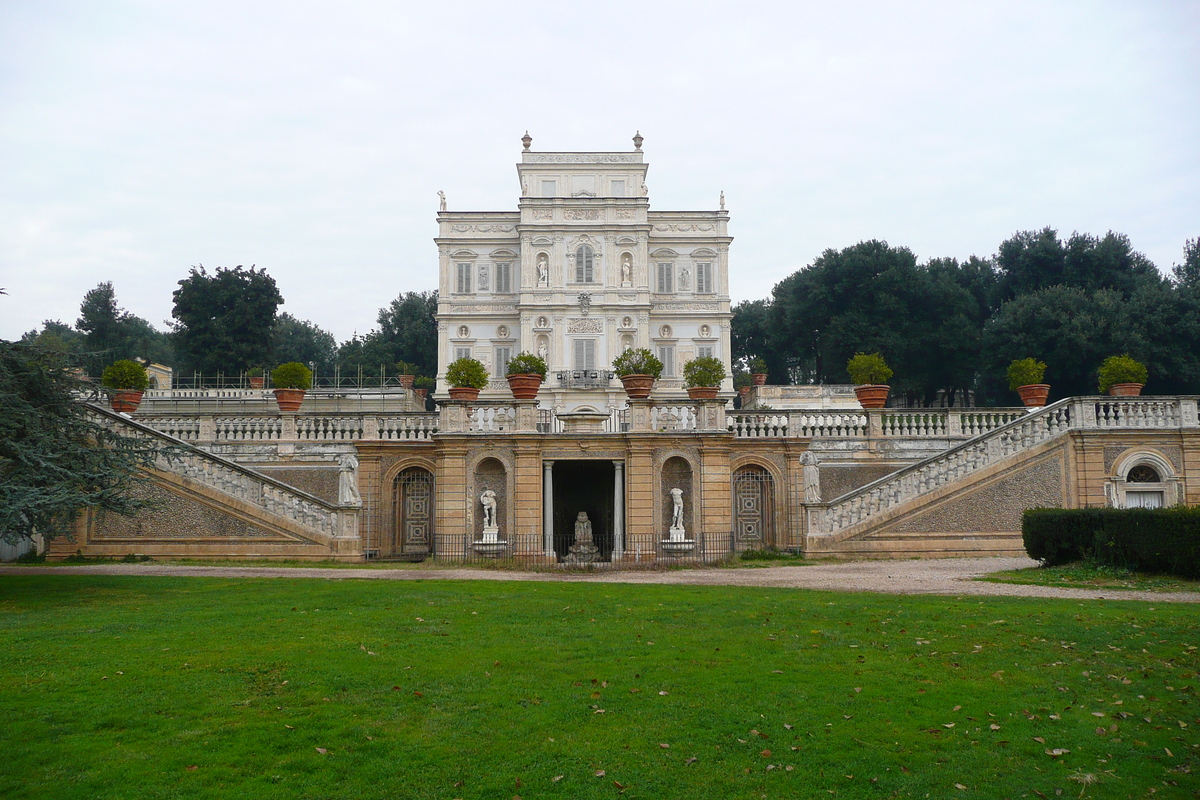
722, 199
488, 501
585, 302
626, 268
543, 269
483, 277
348, 481
463, 331
543, 353
441, 200
685, 279
812, 477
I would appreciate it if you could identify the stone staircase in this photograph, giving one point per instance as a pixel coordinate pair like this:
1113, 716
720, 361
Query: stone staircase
968, 499
210, 505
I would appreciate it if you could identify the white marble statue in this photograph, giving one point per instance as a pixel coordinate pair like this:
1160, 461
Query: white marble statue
441, 200
677, 512
812, 477
543, 353
348, 481
626, 269
488, 500
543, 269
685, 279
722, 199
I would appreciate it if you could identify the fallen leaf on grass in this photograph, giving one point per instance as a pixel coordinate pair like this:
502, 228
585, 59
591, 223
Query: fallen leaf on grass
193, 766
1039, 740
662, 694
787, 727
994, 726
663, 745
417, 693
599, 773
289, 727
1056, 752
322, 750
618, 784
959, 786
690, 761
765, 754
956, 708
948, 725
557, 778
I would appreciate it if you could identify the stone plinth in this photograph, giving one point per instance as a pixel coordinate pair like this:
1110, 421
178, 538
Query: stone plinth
583, 421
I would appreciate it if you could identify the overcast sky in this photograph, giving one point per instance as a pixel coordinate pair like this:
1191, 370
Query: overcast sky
140, 138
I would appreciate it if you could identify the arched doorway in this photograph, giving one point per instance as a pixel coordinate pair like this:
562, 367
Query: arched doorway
753, 508
412, 514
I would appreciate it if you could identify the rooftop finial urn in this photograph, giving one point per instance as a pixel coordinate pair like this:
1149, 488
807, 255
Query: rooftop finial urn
637, 140
526, 140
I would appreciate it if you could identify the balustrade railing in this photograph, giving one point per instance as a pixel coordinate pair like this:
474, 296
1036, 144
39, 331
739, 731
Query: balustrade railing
486, 419
248, 429
828, 424
673, 418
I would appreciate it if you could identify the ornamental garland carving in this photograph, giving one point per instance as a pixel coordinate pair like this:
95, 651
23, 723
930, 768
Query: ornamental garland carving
585, 325
543, 213
684, 228
498, 308
581, 213
625, 213
581, 158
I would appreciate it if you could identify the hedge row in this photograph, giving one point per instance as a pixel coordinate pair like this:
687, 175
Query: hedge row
1163, 540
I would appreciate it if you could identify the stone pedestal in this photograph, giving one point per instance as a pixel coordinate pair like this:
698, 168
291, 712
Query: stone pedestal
677, 542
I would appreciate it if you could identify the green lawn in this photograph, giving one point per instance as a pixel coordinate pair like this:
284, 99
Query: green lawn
139, 687
1081, 575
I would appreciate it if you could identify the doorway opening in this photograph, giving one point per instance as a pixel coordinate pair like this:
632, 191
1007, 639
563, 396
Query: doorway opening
583, 486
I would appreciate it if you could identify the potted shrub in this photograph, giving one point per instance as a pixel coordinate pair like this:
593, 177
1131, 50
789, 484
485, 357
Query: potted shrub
702, 376
638, 369
870, 373
291, 381
406, 374
1121, 376
742, 382
422, 385
758, 371
525, 374
255, 376
466, 377
1025, 378
128, 380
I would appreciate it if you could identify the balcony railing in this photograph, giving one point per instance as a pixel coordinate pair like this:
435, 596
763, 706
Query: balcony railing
584, 378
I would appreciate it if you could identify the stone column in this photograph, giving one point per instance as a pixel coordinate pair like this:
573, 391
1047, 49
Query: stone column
548, 506
618, 551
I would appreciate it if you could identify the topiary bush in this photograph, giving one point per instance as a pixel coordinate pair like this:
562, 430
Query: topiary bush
703, 371
637, 361
758, 366
868, 368
125, 375
1121, 369
467, 372
292, 375
1025, 372
527, 364
1164, 540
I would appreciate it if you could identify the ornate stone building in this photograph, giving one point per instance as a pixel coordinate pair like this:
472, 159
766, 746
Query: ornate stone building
582, 270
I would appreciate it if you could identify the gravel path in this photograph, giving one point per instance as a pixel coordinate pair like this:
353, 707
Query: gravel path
952, 576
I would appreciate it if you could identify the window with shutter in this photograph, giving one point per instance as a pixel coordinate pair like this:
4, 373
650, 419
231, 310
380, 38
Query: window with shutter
583, 264
502, 356
462, 352
703, 351
504, 278
464, 279
666, 354
585, 354
666, 278
704, 280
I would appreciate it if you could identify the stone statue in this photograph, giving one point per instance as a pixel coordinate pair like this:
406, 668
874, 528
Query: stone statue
543, 353
483, 277
677, 512
812, 477
722, 199
543, 269
585, 302
441, 200
626, 269
488, 500
525, 187
584, 551
348, 481
685, 278
583, 529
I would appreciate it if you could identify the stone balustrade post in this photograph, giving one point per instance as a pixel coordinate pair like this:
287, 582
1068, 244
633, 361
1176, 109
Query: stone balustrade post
639, 416
370, 426
954, 422
208, 429
1083, 413
1189, 412
527, 416
710, 415
288, 433
874, 427
453, 416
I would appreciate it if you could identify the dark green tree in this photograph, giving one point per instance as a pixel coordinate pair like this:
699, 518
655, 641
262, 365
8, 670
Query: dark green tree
407, 332
302, 341
1188, 273
223, 321
56, 460
1034, 260
110, 333
749, 336
55, 336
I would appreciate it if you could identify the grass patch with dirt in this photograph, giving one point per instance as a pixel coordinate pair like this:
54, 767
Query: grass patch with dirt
1086, 575
151, 687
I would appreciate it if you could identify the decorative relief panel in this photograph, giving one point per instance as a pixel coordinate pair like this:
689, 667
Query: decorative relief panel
543, 213
497, 308
684, 228
625, 213
580, 158
585, 325
581, 213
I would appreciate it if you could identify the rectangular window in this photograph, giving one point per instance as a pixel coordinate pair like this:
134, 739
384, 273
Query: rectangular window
462, 352
704, 279
504, 278
585, 354
666, 354
666, 278
618, 188
549, 188
464, 279
703, 350
503, 356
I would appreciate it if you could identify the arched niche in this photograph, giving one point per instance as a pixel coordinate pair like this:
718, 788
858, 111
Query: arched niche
490, 474
677, 474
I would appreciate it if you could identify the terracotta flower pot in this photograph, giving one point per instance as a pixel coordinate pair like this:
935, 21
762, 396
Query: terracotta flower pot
421, 393
126, 401
743, 390
463, 393
872, 395
1125, 389
257, 383
524, 385
703, 392
1034, 395
406, 381
289, 400
760, 378
637, 386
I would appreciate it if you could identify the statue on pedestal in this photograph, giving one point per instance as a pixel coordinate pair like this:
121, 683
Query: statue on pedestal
543, 270
348, 481
584, 551
812, 477
441, 200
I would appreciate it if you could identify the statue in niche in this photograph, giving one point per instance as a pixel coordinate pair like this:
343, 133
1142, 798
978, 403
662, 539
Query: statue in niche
585, 302
441, 200
584, 551
812, 477
348, 481
543, 269
543, 353
626, 268
685, 279
583, 529
488, 500
677, 511
525, 188
483, 277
